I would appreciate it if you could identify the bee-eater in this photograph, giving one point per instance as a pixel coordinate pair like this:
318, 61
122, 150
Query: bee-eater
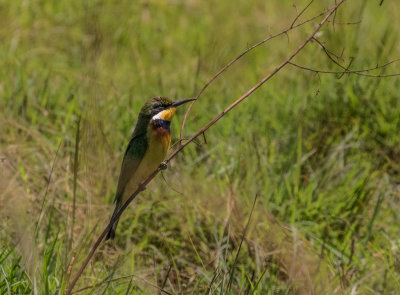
146, 150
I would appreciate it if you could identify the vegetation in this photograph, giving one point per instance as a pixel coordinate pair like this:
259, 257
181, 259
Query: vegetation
320, 152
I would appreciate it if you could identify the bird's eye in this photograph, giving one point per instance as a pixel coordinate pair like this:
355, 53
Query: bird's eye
157, 105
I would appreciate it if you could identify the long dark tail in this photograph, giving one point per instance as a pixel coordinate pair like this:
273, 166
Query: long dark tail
111, 233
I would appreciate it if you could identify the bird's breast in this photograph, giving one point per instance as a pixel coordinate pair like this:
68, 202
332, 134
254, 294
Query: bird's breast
159, 137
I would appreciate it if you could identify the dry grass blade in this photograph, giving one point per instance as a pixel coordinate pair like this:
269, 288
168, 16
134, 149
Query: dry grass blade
43, 204
240, 247
76, 164
122, 278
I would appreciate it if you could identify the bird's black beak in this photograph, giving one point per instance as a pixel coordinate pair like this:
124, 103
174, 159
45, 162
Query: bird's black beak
181, 101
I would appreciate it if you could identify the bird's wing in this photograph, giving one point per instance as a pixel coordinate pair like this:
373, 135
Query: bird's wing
133, 156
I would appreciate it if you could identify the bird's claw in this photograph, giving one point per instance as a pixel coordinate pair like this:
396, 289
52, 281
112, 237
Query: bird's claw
142, 187
163, 165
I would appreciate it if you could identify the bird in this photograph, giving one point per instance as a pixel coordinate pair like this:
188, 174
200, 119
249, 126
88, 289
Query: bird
147, 148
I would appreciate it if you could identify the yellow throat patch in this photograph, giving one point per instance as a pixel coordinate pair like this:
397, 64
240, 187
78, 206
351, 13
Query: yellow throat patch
168, 114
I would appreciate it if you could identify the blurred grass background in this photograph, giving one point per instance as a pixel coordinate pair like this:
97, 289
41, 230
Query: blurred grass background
321, 153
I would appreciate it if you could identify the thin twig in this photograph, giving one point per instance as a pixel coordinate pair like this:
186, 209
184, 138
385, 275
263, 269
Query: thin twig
169, 185
348, 67
202, 130
345, 23
328, 52
334, 19
355, 72
301, 12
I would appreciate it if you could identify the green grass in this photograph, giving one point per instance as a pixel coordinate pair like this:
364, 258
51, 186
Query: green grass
321, 153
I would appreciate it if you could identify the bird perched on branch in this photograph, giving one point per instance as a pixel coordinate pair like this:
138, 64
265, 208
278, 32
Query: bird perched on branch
146, 150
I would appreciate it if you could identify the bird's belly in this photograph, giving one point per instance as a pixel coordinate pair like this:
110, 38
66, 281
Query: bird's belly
156, 152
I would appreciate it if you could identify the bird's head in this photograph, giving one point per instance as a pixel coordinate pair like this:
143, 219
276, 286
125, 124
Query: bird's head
162, 107
159, 111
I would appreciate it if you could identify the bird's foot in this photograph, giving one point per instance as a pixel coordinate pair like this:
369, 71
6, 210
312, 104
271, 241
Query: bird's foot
163, 165
142, 187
